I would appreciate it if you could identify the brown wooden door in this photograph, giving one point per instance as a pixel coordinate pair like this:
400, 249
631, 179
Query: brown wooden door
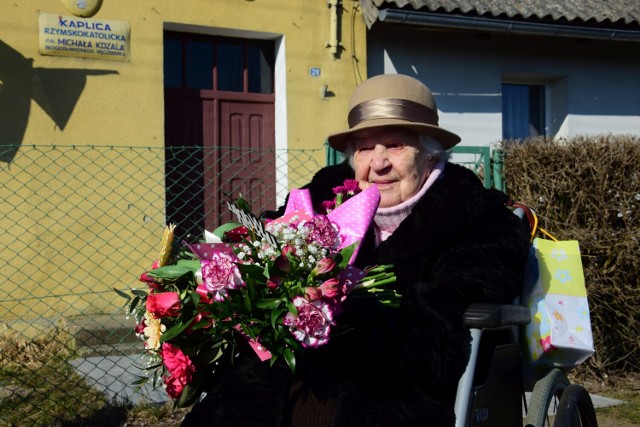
219, 127
242, 160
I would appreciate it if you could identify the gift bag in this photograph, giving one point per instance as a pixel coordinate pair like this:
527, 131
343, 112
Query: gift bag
559, 334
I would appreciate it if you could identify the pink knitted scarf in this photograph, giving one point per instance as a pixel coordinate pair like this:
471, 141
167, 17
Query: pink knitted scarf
388, 219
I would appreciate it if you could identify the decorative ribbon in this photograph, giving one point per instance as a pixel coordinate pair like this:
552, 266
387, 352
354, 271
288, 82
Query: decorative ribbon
392, 108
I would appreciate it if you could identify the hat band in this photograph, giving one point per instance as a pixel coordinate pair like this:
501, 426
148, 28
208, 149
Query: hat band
392, 108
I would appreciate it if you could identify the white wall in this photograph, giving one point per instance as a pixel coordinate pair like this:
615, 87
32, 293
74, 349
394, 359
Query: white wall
592, 86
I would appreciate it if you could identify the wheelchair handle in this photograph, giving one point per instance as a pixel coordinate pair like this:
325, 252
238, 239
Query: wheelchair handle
486, 315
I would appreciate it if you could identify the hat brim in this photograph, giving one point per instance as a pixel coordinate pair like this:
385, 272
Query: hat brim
339, 140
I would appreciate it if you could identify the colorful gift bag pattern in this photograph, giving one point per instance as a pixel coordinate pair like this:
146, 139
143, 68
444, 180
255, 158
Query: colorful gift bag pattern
560, 330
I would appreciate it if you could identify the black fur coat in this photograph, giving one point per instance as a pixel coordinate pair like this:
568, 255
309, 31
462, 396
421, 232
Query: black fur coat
397, 367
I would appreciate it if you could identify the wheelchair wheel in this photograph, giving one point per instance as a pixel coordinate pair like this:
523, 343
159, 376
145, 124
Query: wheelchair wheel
545, 399
575, 408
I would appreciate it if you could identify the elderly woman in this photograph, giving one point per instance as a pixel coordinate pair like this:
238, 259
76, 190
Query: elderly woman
452, 243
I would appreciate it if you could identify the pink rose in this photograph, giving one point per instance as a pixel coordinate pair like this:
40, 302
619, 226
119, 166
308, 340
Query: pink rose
165, 304
180, 369
174, 385
177, 363
311, 326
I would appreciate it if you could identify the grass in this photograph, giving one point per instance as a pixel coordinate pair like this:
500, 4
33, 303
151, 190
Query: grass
625, 388
627, 414
38, 387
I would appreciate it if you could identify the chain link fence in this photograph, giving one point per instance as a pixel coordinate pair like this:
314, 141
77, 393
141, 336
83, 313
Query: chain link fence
79, 221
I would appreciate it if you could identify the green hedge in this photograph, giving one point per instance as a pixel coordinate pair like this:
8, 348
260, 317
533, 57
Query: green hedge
588, 189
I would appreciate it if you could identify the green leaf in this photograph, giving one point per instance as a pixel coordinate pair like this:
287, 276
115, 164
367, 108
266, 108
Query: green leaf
195, 297
249, 331
192, 264
170, 272
140, 381
290, 358
247, 303
210, 355
269, 303
134, 304
252, 270
292, 308
139, 293
174, 331
190, 393
275, 316
292, 342
345, 255
242, 204
201, 324
122, 294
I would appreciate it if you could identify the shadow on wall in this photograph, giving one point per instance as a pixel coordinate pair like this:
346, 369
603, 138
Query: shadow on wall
56, 90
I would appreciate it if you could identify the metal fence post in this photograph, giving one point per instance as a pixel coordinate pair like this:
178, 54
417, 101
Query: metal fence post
498, 161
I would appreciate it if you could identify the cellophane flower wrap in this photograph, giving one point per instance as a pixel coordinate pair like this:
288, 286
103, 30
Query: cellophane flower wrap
275, 286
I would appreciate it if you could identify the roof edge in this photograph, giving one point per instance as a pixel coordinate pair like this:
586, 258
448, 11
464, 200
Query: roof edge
428, 19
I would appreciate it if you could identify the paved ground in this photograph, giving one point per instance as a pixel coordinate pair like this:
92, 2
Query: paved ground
113, 375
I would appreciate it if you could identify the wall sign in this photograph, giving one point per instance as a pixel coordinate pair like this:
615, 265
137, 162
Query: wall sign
85, 38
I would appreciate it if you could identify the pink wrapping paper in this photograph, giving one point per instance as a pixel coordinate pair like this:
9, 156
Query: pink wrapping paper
204, 251
353, 216
299, 200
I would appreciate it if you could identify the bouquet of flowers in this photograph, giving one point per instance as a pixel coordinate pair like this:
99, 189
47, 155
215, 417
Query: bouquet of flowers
275, 286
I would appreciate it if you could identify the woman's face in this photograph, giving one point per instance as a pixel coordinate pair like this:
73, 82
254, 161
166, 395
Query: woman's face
393, 160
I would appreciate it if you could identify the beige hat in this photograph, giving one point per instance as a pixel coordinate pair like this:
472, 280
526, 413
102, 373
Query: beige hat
393, 100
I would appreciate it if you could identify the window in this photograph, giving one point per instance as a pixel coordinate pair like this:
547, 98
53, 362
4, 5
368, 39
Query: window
193, 61
523, 110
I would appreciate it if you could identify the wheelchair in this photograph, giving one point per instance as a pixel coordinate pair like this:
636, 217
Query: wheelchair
493, 389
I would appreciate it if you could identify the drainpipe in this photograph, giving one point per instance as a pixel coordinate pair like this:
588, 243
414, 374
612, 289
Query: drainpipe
408, 17
333, 43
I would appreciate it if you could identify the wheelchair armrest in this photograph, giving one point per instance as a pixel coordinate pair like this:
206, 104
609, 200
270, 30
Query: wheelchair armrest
486, 315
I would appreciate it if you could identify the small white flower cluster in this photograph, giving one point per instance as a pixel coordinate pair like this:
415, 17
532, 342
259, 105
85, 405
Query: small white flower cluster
295, 236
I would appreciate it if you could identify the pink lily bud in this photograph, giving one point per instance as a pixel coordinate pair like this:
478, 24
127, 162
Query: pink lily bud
283, 264
312, 294
323, 266
274, 281
288, 249
330, 288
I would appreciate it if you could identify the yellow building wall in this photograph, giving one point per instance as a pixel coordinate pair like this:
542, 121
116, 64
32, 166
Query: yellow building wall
78, 102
